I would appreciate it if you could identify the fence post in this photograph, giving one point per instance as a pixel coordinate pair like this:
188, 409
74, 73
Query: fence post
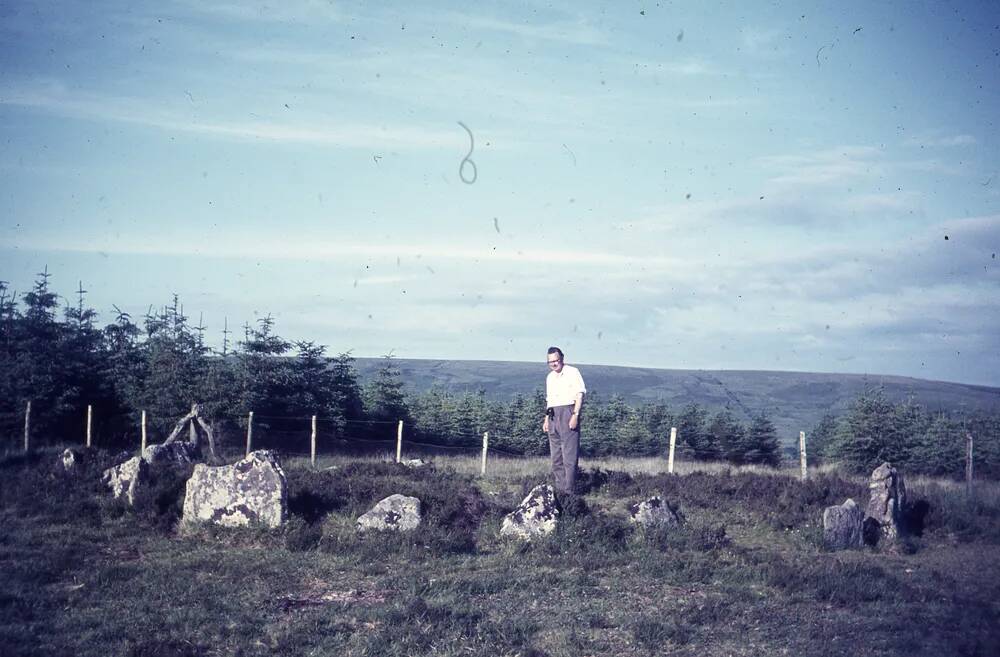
486, 447
968, 464
142, 448
27, 427
249, 432
90, 415
399, 442
802, 455
312, 444
673, 444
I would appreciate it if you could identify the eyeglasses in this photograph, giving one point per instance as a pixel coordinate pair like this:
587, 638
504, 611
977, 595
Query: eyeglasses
554, 362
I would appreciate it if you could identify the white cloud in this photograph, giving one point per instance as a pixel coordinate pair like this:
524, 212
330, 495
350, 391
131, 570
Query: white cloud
932, 140
53, 96
824, 167
287, 11
282, 249
763, 42
578, 31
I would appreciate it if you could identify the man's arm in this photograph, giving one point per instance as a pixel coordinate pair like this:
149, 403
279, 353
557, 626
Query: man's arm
574, 420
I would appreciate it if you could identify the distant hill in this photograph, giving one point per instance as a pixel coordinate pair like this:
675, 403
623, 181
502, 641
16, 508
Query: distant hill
795, 400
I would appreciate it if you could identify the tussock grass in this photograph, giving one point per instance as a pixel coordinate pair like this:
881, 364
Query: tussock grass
745, 575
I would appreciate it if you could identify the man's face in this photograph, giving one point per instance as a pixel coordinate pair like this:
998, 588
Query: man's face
555, 363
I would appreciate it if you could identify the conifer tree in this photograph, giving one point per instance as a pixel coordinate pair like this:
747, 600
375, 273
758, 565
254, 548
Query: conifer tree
384, 400
174, 366
632, 436
985, 430
526, 429
312, 389
84, 359
939, 449
872, 432
729, 435
597, 437
820, 439
37, 367
659, 420
760, 443
125, 365
8, 348
263, 377
344, 378
695, 441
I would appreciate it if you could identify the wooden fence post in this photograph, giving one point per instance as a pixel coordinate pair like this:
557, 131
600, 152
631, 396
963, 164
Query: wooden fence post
399, 442
249, 433
673, 444
142, 448
90, 416
27, 427
968, 464
486, 447
802, 455
312, 443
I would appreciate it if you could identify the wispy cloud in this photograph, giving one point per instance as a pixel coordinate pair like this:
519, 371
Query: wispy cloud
763, 41
940, 140
287, 11
684, 67
824, 167
54, 97
578, 31
278, 249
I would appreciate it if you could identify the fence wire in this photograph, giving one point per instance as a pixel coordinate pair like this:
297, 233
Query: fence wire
286, 434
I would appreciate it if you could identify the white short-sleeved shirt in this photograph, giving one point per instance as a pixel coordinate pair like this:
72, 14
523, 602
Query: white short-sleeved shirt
561, 389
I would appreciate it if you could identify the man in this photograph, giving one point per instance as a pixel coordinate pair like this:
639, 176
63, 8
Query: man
564, 391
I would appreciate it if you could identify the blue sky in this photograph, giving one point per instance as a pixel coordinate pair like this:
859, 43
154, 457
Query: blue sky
685, 185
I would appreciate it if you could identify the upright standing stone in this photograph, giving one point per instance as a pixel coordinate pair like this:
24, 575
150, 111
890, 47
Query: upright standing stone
253, 490
536, 516
842, 526
126, 478
887, 497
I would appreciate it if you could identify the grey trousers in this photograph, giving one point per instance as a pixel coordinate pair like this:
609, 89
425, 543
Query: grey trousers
564, 447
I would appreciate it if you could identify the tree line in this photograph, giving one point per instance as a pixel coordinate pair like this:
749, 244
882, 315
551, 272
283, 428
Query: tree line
56, 356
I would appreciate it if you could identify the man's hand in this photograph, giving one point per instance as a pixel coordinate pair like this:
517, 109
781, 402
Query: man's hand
573, 421
545, 424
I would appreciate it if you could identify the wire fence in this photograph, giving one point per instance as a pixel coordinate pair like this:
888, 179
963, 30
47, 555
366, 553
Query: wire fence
288, 435
310, 436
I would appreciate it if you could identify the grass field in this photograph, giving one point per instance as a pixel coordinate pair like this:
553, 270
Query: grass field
83, 575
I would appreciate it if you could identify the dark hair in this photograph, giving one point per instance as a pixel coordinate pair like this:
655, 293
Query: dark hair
557, 350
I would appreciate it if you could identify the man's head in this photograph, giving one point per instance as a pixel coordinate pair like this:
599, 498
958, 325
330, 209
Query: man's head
555, 359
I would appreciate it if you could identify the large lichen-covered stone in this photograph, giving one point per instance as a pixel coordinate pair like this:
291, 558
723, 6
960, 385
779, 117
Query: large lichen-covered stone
537, 515
394, 513
251, 491
887, 498
175, 453
125, 479
842, 526
131, 474
654, 512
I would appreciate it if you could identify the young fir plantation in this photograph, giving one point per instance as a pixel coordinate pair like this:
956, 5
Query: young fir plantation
743, 568
62, 362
